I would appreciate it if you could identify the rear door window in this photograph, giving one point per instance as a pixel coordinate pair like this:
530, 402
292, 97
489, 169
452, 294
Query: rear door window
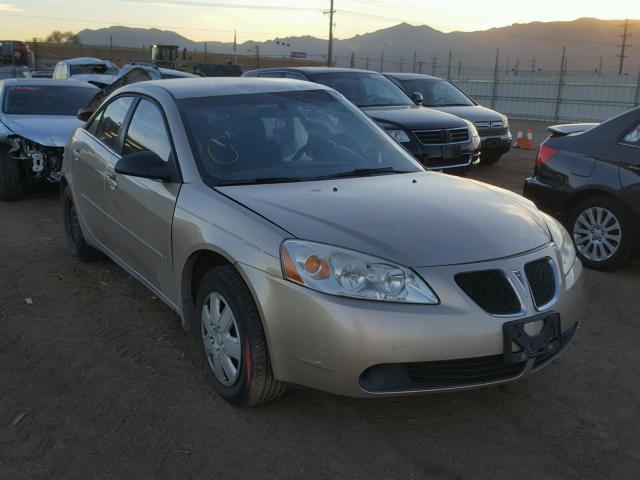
109, 129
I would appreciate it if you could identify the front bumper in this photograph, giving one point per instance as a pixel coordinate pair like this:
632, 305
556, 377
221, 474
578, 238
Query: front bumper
495, 145
454, 157
329, 343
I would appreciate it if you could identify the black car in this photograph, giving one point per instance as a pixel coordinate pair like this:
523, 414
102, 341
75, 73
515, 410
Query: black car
589, 177
440, 141
438, 94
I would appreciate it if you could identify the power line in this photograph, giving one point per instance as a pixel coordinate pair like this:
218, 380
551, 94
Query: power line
624, 45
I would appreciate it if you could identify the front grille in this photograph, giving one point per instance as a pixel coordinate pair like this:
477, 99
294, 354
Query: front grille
542, 281
443, 136
491, 290
488, 131
440, 374
436, 163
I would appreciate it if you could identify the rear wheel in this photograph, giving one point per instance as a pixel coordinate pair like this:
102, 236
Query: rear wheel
11, 187
77, 245
602, 232
232, 340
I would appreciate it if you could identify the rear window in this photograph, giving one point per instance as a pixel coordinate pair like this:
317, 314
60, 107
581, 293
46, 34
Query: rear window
97, 69
46, 99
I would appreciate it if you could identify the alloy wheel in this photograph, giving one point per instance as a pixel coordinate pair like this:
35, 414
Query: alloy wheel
597, 234
221, 339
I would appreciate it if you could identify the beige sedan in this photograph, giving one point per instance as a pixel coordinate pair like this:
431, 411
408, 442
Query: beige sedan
302, 245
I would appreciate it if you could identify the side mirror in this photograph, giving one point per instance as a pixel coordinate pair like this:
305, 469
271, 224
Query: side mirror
145, 164
417, 98
84, 114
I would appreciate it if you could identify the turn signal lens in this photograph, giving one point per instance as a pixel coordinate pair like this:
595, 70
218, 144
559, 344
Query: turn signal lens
317, 268
545, 153
289, 267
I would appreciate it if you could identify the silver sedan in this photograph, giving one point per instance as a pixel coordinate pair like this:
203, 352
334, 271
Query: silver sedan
301, 245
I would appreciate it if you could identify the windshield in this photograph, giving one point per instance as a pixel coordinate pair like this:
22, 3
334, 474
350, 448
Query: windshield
364, 89
95, 69
287, 136
46, 100
436, 92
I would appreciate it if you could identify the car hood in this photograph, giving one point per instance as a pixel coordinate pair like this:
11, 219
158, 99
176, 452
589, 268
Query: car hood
473, 113
438, 220
46, 130
413, 117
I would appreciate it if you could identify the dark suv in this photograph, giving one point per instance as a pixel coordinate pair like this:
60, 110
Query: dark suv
439, 94
440, 141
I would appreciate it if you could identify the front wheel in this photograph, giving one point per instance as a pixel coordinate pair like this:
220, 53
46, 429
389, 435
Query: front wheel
232, 340
602, 232
11, 187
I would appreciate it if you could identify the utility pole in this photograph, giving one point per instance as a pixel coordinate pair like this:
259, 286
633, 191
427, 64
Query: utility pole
563, 68
414, 62
517, 67
400, 65
330, 52
494, 92
420, 64
533, 64
459, 69
624, 46
449, 66
506, 70
366, 63
352, 61
111, 48
600, 67
381, 61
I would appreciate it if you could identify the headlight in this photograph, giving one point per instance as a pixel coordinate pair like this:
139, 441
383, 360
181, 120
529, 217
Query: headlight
472, 128
346, 273
563, 241
399, 136
505, 121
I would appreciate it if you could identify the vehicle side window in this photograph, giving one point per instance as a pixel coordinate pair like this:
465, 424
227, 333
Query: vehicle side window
633, 136
108, 131
93, 126
147, 132
57, 71
295, 76
271, 75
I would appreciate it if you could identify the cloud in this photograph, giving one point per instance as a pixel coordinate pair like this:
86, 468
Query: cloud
7, 7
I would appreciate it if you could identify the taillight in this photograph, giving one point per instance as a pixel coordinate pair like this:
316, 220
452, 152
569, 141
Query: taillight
545, 153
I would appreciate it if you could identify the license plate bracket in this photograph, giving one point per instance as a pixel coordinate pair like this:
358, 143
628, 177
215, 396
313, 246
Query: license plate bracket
548, 340
451, 152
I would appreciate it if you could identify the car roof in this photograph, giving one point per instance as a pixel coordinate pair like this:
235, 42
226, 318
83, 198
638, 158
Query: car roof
411, 76
315, 70
86, 60
47, 82
218, 86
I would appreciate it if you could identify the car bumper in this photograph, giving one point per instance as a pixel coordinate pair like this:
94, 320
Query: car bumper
495, 145
547, 198
332, 344
457, 157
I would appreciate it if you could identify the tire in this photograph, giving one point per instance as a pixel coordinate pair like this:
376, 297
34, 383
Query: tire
252, 383
76, 244
11, 187
613, 232
490, 160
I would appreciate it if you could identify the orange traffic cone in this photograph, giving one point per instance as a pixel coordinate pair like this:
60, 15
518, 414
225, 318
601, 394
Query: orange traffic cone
529, 140
519, 140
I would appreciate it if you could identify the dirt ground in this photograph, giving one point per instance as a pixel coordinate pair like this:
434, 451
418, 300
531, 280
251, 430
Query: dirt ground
97, 380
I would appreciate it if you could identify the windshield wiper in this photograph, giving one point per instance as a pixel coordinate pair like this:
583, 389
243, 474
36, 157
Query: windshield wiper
364, 172
258, 181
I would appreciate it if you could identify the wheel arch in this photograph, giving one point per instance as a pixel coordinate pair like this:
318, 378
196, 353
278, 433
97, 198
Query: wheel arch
592, 191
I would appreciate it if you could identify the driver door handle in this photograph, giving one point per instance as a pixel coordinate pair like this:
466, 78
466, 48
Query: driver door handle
111, 180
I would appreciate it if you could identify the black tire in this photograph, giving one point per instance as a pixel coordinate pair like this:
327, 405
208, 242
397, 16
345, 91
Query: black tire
255, 384
490, 160
625, 246
11, 187
76, 244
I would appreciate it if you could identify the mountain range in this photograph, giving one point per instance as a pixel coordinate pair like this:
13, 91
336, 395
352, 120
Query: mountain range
530, 46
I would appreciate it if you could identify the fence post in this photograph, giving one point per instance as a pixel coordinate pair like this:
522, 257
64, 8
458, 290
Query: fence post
400, 65
413, 70
459, 69
381, 61
352, 61
366, 65
434, 63
35, 53
449, 67
556, 114
111, 48
636, 99
495, 81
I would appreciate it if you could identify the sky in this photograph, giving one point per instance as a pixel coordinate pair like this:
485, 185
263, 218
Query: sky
266, 19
